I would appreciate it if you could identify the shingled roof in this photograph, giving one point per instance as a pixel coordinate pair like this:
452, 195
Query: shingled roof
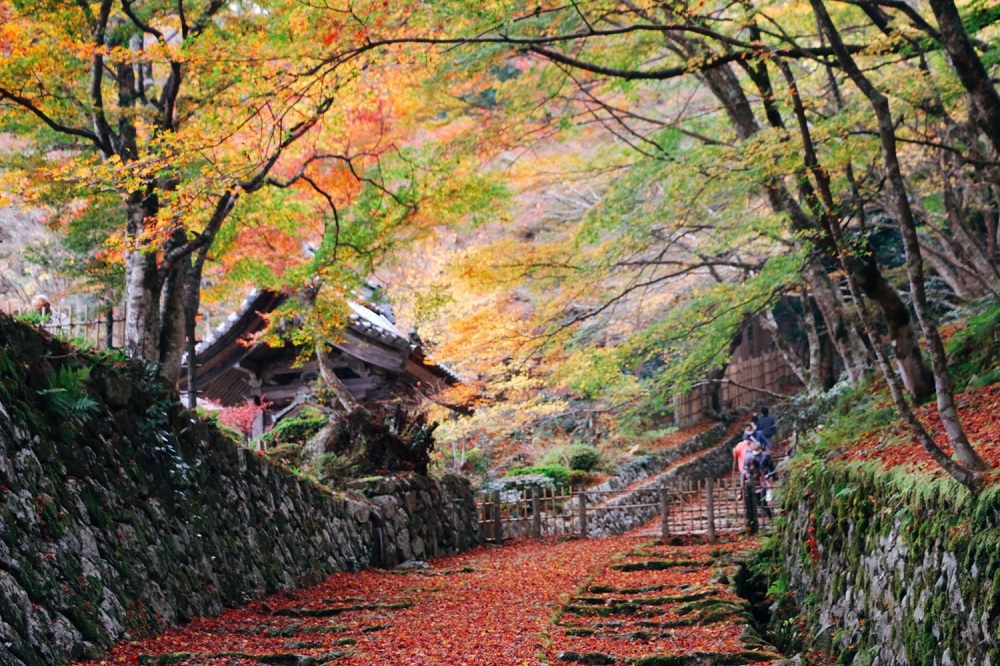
374, 359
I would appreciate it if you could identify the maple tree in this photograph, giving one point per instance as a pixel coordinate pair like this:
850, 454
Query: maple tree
242, 417
169, 113
730, 161
191, 140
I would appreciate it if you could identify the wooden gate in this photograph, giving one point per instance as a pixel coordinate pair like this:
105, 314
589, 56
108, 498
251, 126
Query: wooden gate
680, 507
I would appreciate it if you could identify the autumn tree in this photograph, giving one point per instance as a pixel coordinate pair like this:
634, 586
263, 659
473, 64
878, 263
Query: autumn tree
164, 115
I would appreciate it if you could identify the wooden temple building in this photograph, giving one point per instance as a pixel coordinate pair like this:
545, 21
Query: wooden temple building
374, 360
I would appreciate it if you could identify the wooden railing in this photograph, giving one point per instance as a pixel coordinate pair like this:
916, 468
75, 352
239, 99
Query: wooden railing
101, 329
685, 506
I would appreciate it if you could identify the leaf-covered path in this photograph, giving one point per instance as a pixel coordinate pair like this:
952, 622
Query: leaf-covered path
531, 602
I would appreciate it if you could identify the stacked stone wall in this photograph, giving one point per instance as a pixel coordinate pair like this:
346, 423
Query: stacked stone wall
127, 515
892, 570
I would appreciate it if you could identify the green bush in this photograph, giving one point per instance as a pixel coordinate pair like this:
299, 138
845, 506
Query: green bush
975, 350
582, 457
297, 430
290, 454
557, 473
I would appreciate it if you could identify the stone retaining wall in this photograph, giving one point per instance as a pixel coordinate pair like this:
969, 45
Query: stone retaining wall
890, 570
421, 517
129, 515
651, 465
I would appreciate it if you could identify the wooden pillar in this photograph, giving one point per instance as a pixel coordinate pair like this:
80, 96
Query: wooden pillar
664, 512
750, 504
710, 508
497, 519
536, 512
582, 499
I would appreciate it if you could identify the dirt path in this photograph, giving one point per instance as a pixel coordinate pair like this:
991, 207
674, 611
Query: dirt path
530, 602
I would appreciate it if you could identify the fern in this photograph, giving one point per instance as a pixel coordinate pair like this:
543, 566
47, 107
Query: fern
68, 395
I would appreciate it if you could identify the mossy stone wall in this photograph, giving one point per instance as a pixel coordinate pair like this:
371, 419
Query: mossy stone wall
893, 568
132, 515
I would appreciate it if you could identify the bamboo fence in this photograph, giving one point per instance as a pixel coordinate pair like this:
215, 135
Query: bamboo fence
685, 506
102, 329
747, 382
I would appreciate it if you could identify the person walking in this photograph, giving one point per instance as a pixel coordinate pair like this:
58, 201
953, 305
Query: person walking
766, 427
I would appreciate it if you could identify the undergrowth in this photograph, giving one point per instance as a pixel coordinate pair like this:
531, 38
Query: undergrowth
974, 351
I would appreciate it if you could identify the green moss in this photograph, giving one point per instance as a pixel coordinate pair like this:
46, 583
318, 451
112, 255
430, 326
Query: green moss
601, 589
692, 659
164, 659
579, 631
927, 515
602, 611
659, 565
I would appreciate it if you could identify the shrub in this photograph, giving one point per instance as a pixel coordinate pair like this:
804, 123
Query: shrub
297, 430
291, 454
582, 457
975, 351
558, 473
242, 417
333, 468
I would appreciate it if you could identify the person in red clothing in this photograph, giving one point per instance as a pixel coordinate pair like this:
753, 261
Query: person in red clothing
739, 455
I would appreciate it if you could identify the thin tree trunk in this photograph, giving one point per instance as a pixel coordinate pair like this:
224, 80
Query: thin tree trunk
173, 319
917, 376
816, 373
770, 324
331, 380
839, 325
142, 292
970, 69
972, 253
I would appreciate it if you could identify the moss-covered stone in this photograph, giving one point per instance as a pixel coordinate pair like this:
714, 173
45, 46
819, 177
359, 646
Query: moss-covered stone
903, 563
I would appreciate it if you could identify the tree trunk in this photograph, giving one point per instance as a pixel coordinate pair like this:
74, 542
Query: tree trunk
972, 254
917, 377
970, 69
142, 291
770, 324
173, 319
839, 325
331, 380
819, 371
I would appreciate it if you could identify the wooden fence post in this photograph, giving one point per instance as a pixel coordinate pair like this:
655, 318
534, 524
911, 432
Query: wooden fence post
582, 498
664, 512
750, 504
536, 512
710, 508
497, 519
